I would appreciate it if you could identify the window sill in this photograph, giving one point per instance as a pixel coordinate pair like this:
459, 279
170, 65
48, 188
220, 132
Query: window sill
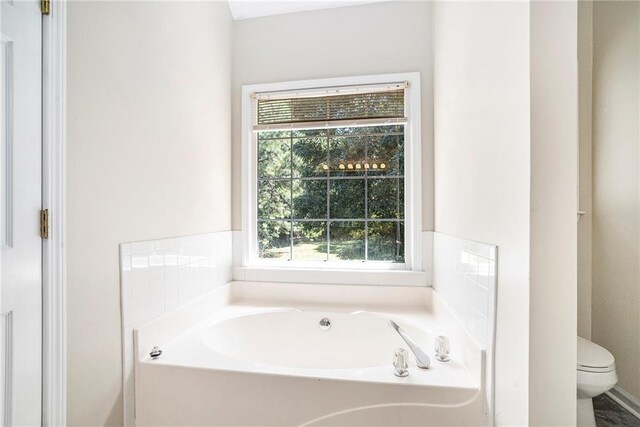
331, 276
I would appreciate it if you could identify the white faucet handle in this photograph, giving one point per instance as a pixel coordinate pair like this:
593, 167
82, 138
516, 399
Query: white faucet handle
400, 363
442, 348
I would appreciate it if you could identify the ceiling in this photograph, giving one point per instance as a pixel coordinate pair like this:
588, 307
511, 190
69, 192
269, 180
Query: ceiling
244, 9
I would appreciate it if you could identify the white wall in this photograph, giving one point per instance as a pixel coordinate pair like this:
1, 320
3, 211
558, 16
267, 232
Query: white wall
371, 39
585, 60
148, 156
616, 186
554, 196
505, 135
144, 97
482, 164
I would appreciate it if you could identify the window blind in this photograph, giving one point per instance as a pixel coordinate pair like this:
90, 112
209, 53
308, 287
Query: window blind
330, 109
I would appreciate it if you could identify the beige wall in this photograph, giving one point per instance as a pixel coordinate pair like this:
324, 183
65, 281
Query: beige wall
585, 59
616, 186
506, 172
554, 195
371, 39
482, 165
148, 156
149, 87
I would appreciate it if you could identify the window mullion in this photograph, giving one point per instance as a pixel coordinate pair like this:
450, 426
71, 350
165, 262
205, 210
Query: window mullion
328, 215
291, 195
398, 219
366, 199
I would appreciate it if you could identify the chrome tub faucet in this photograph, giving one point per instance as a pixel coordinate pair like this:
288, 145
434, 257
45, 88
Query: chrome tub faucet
422, 360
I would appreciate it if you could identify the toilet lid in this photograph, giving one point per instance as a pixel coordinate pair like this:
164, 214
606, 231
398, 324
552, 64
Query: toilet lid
591, 356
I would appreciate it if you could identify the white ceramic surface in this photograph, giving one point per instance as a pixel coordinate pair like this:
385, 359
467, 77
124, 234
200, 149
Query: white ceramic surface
287, 341
465, 277
596, 375
293, 338
158, 276
592, 357
255, 361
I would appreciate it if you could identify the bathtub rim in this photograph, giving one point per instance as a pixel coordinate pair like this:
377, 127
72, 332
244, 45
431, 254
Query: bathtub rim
370, 297
465, 367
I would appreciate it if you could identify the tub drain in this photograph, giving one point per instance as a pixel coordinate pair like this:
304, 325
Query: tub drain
325, 324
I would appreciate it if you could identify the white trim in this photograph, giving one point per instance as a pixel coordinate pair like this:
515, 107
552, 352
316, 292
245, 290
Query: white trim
330, 265
7, 154
413, 160
332, 91
54, 363
626, 400
413, 173
331, 276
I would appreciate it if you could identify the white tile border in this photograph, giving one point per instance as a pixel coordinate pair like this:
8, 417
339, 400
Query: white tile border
158, 276
465, 277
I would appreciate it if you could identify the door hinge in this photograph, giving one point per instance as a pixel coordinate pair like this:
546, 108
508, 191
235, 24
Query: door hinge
44, 223
45, 6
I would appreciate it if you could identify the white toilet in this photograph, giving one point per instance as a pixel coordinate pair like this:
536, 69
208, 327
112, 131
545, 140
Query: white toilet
596, 374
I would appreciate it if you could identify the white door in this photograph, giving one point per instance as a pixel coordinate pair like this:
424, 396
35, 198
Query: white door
21, 190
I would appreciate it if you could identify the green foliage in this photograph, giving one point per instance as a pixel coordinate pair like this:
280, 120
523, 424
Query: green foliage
300, 178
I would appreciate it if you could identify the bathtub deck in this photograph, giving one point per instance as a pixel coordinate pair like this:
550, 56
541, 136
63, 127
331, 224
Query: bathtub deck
192, 383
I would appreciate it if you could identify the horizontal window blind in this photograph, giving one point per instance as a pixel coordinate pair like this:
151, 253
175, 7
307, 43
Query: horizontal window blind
331, 110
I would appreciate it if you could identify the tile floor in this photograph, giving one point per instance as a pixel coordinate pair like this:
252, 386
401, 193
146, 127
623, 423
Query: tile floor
609, 413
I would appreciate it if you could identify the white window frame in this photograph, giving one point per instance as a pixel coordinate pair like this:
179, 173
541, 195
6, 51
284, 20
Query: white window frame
412, 174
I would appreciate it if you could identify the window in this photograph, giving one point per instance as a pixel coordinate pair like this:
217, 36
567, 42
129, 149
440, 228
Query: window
327, 177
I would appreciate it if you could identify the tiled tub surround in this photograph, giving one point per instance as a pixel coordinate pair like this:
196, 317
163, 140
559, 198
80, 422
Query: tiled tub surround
286, 371
464, 275
159, 276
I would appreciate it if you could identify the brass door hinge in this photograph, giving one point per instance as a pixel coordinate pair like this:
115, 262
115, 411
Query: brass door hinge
45, 6
44, 223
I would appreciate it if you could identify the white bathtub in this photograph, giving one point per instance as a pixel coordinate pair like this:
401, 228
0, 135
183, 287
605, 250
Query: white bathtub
255, 359
292, 339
